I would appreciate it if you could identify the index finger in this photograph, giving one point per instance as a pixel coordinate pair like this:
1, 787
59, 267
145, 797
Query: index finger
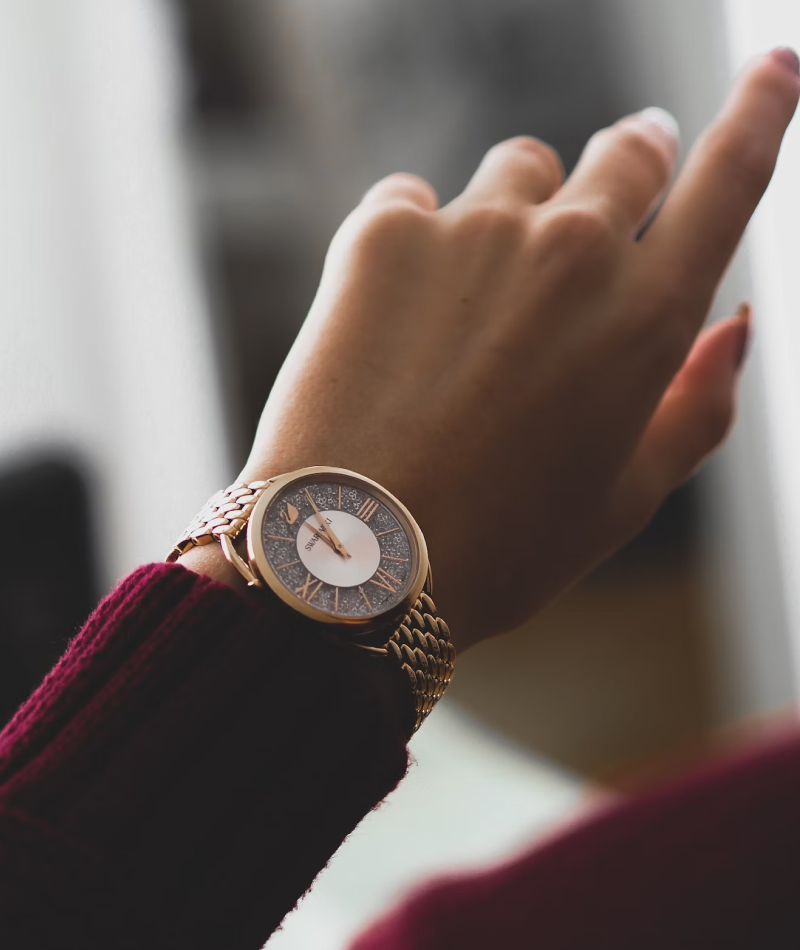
724, 177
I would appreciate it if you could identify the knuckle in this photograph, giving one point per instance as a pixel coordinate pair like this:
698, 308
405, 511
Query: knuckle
406, 179
499, 223
528, 150
747, 160
391, 225
402, 184
643, 153
582, 232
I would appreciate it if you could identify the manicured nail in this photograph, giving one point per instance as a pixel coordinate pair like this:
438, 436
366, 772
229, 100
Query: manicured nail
663, 120
744, 312
787, 58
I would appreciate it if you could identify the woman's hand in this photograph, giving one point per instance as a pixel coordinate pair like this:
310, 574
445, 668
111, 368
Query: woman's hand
520, 372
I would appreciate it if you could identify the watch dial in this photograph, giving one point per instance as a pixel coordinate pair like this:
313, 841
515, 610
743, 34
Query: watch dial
339, 547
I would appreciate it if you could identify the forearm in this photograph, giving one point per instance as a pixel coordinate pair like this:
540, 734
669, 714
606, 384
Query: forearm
192, 763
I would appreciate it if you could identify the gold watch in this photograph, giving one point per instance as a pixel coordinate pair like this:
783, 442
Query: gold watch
341, 550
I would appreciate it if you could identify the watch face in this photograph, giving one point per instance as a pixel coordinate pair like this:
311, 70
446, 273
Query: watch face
338, 546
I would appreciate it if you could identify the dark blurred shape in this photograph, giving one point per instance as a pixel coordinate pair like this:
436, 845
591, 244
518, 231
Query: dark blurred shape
48, 580
257, 278
223, 57
671, 537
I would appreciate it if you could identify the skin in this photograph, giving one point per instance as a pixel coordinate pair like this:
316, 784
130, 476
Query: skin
525, 376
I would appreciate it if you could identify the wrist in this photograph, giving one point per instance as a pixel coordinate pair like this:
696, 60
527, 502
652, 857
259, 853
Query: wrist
211, 562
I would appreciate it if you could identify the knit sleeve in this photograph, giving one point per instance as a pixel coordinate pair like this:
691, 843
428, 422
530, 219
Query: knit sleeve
186, 770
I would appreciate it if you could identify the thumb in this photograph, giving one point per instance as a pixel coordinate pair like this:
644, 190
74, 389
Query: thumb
694, 415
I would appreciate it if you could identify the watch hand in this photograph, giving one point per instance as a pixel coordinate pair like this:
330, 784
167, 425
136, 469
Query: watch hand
322, 534
337, 544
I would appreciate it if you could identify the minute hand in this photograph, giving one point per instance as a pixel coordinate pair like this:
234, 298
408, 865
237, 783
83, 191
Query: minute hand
321, 534
340, 548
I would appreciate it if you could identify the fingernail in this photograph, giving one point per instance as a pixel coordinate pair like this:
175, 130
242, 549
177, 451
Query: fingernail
663, 120
744, 312
787, 57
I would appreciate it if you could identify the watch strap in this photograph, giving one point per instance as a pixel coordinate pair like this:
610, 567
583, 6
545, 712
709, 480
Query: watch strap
225, 513
421, 646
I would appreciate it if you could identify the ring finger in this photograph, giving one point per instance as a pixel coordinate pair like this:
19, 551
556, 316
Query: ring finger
626, 168
520, 170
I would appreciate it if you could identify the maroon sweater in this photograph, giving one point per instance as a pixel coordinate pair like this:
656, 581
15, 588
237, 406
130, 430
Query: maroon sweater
193, 761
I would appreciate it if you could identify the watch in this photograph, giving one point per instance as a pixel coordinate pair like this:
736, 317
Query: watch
342, 551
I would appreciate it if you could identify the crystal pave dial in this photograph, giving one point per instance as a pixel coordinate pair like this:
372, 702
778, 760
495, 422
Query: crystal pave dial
338, 547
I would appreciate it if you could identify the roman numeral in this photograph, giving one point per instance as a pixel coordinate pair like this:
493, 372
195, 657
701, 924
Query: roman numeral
305, 592
367, 510
385, 580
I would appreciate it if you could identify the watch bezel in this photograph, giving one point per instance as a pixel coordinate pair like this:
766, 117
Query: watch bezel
262, 567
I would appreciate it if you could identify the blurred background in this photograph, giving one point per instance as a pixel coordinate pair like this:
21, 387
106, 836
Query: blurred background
171, 173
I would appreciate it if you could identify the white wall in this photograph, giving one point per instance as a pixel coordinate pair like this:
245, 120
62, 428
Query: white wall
682, 54
774, 253
107, 345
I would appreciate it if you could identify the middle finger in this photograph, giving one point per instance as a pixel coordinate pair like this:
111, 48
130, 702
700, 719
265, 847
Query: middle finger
625, 168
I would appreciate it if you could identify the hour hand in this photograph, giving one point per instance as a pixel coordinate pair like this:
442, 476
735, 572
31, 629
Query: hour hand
321, 533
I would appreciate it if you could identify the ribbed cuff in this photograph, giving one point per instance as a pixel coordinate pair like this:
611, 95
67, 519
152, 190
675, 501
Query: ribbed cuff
208, 753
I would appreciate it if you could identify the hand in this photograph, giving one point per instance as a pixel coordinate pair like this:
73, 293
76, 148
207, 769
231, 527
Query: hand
327, 530
518, 357
320, 534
